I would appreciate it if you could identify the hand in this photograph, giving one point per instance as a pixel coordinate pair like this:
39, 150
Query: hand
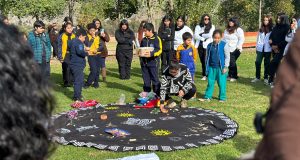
162, 108
224, 70
102, 34
181, 93
270, 41
87, 49
147, 54
275, 49
61, 60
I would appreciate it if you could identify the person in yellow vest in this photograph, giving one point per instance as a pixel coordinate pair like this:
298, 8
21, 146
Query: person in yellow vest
63, 43
94, 58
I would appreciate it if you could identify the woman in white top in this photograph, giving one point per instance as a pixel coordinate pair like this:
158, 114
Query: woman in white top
290, 36
234, 37
180, 28
203, 36
263, 48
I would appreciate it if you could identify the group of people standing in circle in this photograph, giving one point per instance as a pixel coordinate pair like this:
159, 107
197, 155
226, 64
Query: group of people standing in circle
181, 44
272, 45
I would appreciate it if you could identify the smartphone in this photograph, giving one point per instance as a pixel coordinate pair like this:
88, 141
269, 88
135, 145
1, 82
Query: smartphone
101, 31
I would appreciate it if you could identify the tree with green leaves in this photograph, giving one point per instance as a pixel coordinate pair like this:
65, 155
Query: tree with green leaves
38, 8
247, 12
93, 8
276, 6
194, 9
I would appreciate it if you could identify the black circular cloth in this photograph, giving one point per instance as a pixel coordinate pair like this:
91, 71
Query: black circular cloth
146, 129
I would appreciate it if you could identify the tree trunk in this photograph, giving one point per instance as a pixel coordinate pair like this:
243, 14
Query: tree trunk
37, 17
259, 17
71, 9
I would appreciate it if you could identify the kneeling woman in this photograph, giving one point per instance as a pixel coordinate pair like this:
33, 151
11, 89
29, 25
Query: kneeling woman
94, 58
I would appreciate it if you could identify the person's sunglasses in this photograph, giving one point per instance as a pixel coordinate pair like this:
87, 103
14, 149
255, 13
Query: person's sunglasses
206, 19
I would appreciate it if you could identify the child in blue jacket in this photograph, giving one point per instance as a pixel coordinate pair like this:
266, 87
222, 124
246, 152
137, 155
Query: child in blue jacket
217, 62
78, 52
187, 54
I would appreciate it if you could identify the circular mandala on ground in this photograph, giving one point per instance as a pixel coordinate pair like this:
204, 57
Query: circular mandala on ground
125, 128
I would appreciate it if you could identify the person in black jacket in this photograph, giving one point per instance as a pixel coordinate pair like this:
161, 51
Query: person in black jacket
167, 32
278, 43
124, 52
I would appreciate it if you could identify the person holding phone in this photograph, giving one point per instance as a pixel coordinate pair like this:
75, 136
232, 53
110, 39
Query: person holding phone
104, 38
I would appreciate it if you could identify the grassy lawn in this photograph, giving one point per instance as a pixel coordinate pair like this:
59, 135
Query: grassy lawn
244, 100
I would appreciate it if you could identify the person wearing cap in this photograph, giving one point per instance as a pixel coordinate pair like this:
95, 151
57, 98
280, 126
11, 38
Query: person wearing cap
234, 37
41, 47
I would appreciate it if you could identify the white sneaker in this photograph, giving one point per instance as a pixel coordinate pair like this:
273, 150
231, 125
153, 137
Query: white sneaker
183, 103
203, 78
172, 105
266, 81
255, 80
271, 85
232, 79
204, 99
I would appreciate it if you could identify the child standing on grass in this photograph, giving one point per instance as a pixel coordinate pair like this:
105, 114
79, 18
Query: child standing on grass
63, 54
150, 63
77, 62
93, 42
187, 54
217, 62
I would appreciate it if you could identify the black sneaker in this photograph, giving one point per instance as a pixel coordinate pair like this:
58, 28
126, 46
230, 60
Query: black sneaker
67, 85
96, 85
86, 86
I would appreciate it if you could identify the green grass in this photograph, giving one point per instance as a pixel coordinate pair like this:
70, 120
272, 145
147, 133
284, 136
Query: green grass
244, 100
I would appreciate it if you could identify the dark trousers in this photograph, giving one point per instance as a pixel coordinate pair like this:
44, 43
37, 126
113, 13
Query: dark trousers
150, 76
259, 57
166, 58
45, 69
67, 75
202, 56
78, 80
95, 64
233, 73
124, 59
187, 96
275, 62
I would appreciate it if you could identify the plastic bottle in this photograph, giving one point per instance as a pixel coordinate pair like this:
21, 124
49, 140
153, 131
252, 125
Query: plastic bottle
122, 99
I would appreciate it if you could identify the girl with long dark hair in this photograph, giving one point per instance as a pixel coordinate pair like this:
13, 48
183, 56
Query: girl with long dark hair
166, 32
290, 36
278, 43
180, 28
234, 37
124, 52
263, 48
203, 36
104, 38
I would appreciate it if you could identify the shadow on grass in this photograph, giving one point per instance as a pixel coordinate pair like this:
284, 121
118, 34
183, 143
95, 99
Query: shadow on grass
259, 87
114, 72
122, 87
57, 83
225, 157
244, 144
